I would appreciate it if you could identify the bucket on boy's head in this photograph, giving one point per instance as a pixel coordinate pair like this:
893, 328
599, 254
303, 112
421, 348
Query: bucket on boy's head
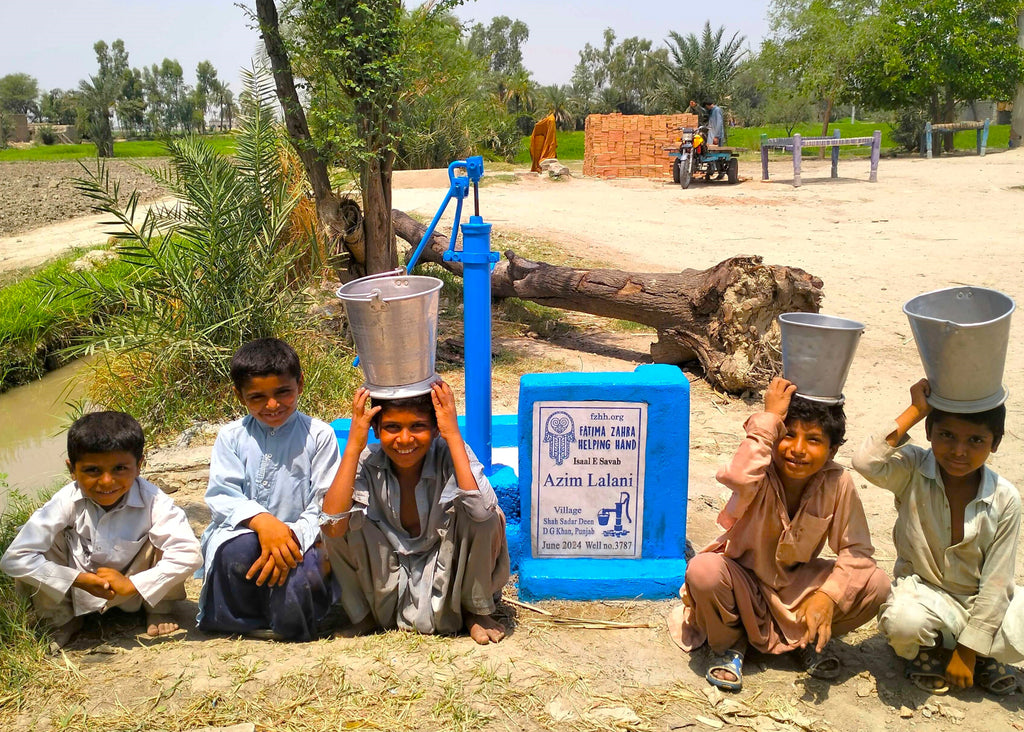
817, 351
961, 335
393, 320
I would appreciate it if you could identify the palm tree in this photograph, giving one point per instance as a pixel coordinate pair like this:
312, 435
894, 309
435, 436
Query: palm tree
517, 92
558, 100
702, 68
98, 96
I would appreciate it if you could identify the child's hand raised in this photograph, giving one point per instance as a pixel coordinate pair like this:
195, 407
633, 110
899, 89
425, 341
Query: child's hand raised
362, 418
444, 407
919, 393
778, 395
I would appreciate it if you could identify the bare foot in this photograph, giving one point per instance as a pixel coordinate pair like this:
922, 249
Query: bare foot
483, 628
363, 627
63, 635
160, 624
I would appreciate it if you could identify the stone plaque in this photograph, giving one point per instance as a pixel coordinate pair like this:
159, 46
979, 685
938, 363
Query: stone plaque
588, 478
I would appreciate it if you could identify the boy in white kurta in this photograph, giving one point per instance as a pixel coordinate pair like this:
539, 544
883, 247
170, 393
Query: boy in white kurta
107, 539
412, 527
954, 612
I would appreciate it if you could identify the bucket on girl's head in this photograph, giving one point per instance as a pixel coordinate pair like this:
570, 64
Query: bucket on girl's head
962, 334
393, 319
817, 351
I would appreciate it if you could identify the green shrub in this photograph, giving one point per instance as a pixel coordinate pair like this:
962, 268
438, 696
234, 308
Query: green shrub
228, 266
47, 135
907, 127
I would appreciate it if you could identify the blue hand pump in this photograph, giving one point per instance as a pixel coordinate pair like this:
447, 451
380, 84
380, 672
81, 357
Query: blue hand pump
477, 262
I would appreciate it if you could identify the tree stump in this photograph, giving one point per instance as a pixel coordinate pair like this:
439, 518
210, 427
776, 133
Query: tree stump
724, 316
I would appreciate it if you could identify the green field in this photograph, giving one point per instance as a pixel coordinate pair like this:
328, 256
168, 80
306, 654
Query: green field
126, 149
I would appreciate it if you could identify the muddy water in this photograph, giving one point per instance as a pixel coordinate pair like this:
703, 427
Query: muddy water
33, 421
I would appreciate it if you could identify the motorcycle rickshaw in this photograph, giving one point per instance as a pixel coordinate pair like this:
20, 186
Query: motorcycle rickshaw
696, 156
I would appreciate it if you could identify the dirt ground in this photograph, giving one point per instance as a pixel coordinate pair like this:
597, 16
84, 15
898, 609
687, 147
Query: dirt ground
37, 193
926, 224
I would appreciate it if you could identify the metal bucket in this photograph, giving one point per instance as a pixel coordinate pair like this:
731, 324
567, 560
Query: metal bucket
393, 318
817, 351
961, 334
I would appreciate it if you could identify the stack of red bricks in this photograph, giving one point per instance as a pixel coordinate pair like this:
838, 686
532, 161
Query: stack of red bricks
632, 146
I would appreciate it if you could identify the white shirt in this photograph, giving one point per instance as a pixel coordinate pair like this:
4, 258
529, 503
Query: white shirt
97, 537
978, 572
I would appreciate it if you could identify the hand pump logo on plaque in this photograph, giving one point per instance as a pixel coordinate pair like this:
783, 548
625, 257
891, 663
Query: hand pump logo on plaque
588, 479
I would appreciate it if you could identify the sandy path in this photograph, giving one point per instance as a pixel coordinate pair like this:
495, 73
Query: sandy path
32, 248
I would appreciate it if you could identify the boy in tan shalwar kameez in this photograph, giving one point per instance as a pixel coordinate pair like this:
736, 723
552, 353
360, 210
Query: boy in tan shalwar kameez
762, 582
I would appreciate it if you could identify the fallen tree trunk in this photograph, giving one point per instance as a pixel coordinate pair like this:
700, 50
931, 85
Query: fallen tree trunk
724, 316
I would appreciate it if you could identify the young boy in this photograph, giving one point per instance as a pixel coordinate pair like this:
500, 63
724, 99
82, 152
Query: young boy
762, 583
954, 613
412, 527
107, 539
265, 576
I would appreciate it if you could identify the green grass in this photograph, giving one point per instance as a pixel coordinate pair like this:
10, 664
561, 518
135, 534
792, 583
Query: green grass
23, 661
41, 314
128, 149
570, 147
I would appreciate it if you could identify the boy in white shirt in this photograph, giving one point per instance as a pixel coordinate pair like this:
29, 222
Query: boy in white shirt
107, 539
954, 612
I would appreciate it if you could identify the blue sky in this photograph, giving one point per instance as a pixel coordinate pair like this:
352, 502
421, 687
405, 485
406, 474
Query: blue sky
54, 42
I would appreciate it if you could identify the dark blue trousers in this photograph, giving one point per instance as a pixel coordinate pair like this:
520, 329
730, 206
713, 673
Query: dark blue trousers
234, 604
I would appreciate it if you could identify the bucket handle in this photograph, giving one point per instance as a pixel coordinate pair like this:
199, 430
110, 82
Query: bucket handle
397, 272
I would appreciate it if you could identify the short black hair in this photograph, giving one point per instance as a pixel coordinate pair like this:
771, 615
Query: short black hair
422, 403
105, 432
994, 419
830, 417
264, 357
706, 102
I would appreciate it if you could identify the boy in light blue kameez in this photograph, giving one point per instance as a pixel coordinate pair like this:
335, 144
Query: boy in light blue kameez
265, 576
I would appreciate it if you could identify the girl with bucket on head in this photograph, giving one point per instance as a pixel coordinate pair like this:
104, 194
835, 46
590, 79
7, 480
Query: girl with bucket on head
954, 614
762, 583
411, 525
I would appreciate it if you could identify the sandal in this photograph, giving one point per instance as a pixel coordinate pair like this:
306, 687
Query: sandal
926, 668
994, 677
823, 665
730, 662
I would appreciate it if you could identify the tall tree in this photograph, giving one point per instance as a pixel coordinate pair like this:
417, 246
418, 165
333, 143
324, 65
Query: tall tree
206, 89
935, 54
18, 94
702, 68
351, 55
816, 47
1017, 121
500, 43
100, 92
630, 73
57, 106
